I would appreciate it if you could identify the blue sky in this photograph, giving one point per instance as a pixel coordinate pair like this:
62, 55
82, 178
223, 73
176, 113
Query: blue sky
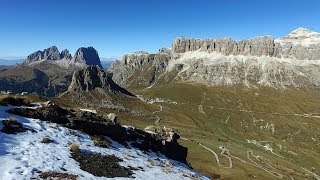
117, 27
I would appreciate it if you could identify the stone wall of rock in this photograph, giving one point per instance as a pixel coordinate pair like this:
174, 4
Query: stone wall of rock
257, 46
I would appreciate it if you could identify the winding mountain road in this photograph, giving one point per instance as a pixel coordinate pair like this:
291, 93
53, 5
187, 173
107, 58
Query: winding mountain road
223, 150
157, 117
276, 174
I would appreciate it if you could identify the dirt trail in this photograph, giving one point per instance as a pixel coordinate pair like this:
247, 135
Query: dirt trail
276, 174
216, 156
157, 117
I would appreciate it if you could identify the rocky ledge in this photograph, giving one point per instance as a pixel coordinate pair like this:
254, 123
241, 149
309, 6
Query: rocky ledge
94, 124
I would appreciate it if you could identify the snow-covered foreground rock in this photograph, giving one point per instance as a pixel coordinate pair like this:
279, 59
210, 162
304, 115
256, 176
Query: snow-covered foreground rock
22, 155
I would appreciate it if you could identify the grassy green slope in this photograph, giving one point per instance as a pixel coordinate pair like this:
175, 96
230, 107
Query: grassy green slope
287, 121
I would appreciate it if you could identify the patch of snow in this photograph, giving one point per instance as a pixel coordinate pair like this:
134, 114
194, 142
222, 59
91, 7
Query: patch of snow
21, 155
89, 110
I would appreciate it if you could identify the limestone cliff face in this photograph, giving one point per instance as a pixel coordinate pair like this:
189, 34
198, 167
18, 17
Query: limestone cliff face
290, 61
300, 44
151, 64
256, 47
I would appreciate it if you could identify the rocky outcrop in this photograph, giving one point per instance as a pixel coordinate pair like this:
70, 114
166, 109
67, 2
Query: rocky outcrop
151, 64
93, 80
93, 77
88, 79
12, 126
87, 56
94, 124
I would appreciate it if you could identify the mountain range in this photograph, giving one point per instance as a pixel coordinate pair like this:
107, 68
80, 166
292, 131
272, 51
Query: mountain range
47, 72
280, 63
245, 109
229, 109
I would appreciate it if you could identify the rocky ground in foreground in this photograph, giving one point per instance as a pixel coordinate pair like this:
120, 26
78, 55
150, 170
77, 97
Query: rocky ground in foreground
48, 146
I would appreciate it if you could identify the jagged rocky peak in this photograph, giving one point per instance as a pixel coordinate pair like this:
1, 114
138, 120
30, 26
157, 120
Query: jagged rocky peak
258, 46
65, 54
88, 56
51, 53
93, 77
83, 56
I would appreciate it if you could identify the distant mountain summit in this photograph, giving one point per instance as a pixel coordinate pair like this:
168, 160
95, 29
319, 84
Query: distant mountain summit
302, 36
83, 56
87, 56
51, 53
48, 72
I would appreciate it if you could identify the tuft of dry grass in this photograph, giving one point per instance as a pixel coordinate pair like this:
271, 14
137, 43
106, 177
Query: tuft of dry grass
167, 169
151, 161
74, 148
13, 120
126, 157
